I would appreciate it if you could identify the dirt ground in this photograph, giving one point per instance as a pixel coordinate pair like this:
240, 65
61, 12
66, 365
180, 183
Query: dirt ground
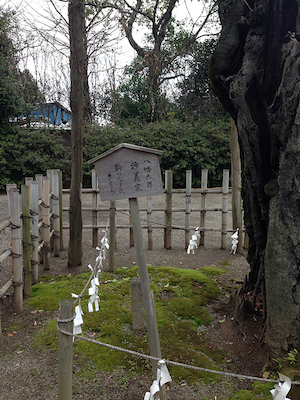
27, 373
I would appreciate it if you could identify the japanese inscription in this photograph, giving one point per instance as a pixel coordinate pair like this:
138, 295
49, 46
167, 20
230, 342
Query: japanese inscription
128, 173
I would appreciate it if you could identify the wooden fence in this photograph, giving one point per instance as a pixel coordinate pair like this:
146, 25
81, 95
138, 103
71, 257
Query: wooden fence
33, 226
113, 208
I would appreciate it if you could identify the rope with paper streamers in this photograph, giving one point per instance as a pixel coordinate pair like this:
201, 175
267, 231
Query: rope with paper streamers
94, 281
281, 384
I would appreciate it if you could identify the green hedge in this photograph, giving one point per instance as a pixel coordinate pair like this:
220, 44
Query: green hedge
195, 146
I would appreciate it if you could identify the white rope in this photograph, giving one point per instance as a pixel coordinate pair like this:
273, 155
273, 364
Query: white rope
146, 356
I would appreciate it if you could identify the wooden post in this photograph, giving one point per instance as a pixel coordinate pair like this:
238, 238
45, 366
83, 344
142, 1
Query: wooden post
204, 175
150, 311
112, 236
131, 236
168, 210
28, 182
14, 208
49, 173
26, 239
137, 309
94, 211
35, 231
149, 222
46, 224
55, 213
39, 179
225, 188
188, 207
236, 185
65, 351
61, 209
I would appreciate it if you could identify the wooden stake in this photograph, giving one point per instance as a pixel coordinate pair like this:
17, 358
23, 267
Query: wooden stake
60, 210
26, 239
236, 184
112, 236
46, 224
150, 312
65, 351
55, 212
188, 207
149, 223
225, 188
35, 231
204, 175
14, 208
148, 299
94, 211
168, 211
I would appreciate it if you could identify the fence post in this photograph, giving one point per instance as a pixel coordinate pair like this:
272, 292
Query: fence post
46, 224
149, 222
168, 210
35, 231
26, 239
112, 236
94, 211
225, 188
60, 209
14, 207
55, 213
39, 179
188, 207
236, 184
65, 350
204, 176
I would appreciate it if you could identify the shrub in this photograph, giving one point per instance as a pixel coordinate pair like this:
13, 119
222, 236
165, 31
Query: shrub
187, 145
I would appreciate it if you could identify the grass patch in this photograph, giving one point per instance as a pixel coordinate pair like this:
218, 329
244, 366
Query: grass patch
180, 295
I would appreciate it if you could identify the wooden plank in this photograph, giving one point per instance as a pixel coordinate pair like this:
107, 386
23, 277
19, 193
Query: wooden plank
128, 173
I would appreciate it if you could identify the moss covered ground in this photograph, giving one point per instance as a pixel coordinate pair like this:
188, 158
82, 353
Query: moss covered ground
180, 297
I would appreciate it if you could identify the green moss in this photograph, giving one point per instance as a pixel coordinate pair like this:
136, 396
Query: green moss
208, 270
260, 391
180, 295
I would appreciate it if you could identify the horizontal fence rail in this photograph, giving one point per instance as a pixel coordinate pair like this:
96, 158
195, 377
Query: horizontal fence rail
149, 223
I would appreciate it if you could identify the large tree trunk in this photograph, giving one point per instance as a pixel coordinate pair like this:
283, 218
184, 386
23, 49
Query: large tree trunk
77, 60
255, 73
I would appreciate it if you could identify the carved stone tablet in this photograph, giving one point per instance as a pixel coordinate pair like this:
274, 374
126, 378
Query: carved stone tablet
128, 171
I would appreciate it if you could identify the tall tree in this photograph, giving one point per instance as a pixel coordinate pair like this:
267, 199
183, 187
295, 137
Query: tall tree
157, 17
77, 60
9, 73
255, 73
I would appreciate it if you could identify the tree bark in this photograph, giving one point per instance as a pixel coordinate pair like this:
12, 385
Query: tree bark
77, 62
255, 73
